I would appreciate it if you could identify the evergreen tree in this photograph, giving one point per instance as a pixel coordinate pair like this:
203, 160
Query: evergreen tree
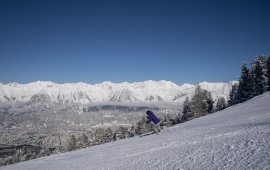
72, 143
268, 72
233, 95
108, 135
16, 157
199, 103
209, 101
221, 104
245, 86
252, 79
83, 141
259, 71
102, 135
120, 133
186, 109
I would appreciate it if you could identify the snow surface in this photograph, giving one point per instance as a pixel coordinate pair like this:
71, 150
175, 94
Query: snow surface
235, 138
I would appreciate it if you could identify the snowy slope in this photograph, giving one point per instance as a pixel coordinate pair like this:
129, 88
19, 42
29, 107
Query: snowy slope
147, 91
236, 138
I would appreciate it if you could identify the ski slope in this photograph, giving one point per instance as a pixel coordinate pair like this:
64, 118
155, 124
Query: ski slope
236, 138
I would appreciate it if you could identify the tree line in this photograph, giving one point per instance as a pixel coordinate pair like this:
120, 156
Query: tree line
252, 82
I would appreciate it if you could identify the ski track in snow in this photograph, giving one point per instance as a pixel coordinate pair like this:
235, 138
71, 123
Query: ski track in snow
236, 138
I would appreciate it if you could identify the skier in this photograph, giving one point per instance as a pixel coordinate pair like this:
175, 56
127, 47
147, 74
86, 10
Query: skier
153, 121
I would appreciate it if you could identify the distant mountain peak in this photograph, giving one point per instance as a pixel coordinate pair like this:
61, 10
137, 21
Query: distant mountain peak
146, 91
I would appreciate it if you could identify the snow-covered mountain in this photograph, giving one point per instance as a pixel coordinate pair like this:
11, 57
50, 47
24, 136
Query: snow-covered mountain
147, 91
235, 138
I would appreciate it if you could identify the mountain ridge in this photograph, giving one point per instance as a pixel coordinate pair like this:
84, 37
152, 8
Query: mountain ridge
83, 93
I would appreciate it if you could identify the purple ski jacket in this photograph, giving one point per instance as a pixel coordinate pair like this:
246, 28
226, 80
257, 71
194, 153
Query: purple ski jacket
152, 117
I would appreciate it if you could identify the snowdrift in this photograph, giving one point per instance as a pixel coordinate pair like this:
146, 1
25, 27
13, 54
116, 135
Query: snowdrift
235, 138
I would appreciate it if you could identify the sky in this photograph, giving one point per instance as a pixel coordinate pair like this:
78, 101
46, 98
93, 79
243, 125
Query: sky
183, 41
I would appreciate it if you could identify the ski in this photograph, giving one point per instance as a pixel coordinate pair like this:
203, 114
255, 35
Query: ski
149, 133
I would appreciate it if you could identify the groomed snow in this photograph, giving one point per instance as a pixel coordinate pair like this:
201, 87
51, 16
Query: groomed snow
236, 138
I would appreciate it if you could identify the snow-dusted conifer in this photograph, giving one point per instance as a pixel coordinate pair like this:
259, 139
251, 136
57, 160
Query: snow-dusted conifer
186, 109
268, 72
16, 157
199, 102
259, 71
221, 104
72, 143
209, 101
245, 84
83, 141
233, 95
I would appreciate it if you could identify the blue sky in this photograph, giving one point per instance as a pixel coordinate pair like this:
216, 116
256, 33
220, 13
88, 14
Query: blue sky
181, 41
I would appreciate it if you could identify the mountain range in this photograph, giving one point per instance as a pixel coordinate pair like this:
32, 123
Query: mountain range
82, 93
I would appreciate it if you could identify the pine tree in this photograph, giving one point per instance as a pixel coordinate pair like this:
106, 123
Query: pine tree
259, 71
233, 95
252, 80
268, 72
83, 141
199, 103
16, 157
186, 109
245, 86
72, 143
209, 101
108, 135
221, 104
120, 133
